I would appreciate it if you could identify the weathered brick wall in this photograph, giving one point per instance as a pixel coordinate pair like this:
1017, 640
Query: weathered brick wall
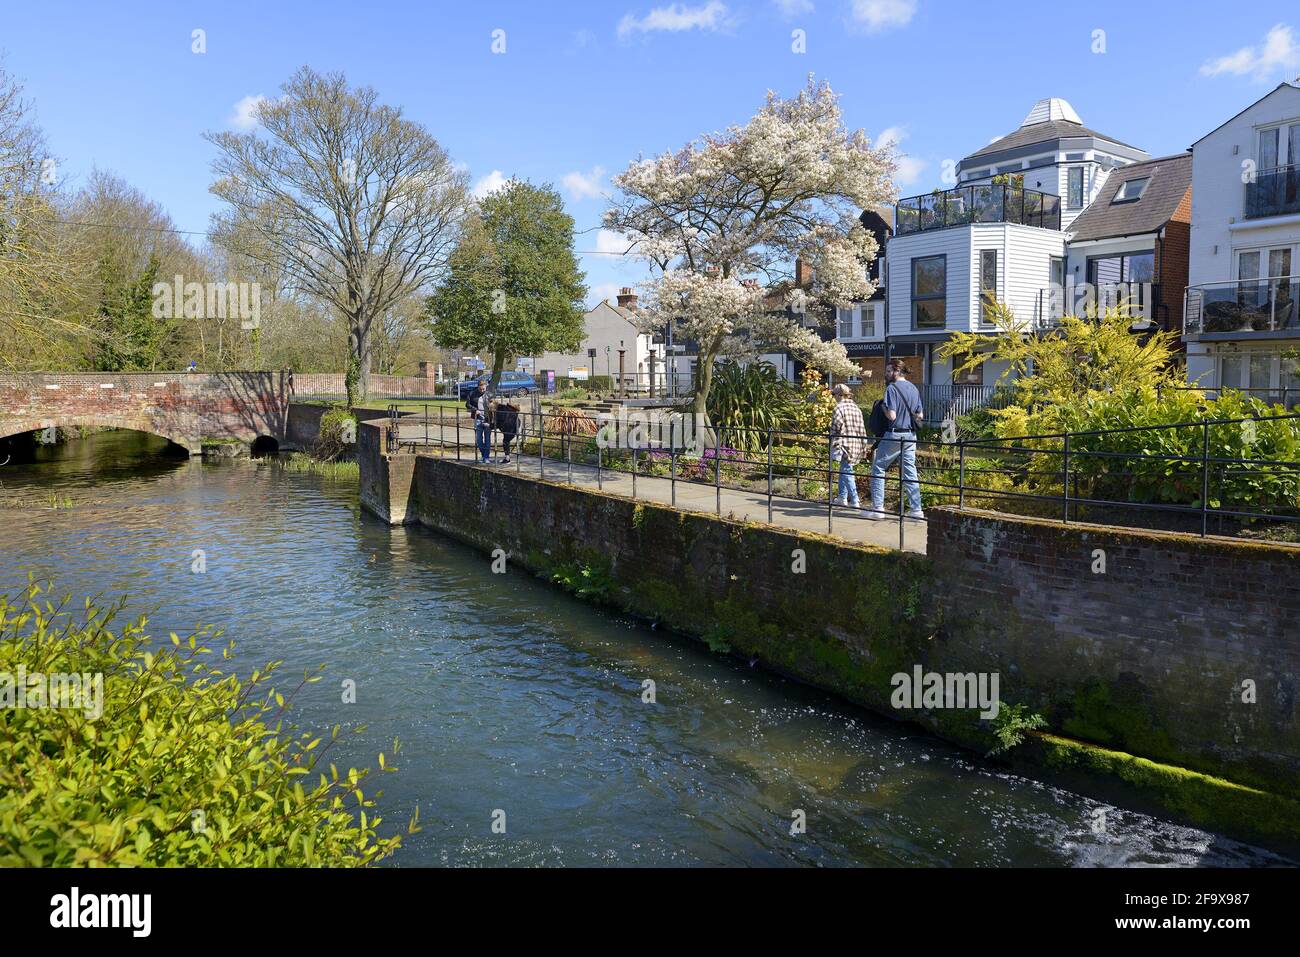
1147, 653
184, 407
332, 385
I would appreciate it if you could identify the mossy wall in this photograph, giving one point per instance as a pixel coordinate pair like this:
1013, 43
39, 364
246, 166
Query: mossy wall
1129, 660
1164, 645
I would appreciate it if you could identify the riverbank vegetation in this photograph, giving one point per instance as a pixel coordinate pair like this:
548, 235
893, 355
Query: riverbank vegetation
160, 758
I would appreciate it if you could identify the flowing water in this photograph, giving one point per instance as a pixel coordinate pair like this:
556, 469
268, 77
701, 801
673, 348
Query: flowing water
508, 695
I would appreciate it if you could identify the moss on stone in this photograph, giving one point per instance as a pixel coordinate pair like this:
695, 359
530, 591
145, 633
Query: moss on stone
1197, 798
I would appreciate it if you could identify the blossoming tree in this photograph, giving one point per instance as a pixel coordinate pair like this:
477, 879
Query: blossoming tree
722, 221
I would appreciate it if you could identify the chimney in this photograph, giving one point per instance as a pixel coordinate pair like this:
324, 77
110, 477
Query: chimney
802, 274
627, 298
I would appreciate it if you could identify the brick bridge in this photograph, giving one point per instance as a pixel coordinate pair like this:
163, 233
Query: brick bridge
183, 407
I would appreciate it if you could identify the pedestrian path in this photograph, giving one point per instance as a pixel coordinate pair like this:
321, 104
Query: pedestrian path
801, 515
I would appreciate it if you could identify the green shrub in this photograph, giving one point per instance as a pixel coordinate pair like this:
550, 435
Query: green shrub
184, 765
1011, 725
337, 435
1165, 465
747, 400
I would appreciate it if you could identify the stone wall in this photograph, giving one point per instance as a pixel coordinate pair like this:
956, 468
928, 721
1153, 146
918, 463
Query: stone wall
1141, 641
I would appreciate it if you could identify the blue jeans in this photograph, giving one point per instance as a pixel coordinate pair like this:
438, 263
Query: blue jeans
890, 448
483, 439
848, 481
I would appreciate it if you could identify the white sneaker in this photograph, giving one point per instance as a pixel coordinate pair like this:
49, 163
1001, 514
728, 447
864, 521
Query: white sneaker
916, 514
841, 502
877, 516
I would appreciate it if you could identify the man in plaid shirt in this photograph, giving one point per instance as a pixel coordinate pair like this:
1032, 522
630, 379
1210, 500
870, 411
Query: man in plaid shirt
848, 443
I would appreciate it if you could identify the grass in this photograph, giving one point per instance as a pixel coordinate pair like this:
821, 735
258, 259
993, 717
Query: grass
334, 471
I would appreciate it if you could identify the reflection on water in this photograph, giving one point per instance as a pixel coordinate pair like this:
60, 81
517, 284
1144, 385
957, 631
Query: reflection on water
507, 694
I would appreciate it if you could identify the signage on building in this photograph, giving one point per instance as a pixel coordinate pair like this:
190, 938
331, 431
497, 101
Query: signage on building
859, 349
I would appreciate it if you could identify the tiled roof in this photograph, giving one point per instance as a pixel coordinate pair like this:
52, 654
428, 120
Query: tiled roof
1171, 176
1048, 132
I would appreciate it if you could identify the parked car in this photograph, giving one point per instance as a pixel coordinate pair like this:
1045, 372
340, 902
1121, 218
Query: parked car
512, 383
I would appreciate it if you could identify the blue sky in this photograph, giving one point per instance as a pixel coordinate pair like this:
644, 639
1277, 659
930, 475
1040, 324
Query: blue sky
584, 87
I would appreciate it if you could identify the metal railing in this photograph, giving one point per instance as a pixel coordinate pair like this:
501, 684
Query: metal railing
989, 203
1135, 299
1273, 192
1244, 307
950, 400
1098, 476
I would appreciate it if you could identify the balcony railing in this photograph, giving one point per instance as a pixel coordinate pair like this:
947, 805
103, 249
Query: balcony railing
1136, 299
1273, 192
990, 203
1244, 307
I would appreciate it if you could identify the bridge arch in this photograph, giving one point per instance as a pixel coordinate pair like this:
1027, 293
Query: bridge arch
11, 427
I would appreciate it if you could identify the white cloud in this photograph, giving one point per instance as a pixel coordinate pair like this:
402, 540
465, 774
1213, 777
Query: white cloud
908, 168
599, 293
793, 8
245, 115
608, 241
1275, 58
581, 185
676, 17
878, 15
490, 183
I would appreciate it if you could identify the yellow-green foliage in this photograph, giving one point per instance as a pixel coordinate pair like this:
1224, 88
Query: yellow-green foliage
185, 766
1095, 375
814, 414
1051, 371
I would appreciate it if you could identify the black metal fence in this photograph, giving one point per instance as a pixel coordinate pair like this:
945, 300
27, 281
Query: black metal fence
1180, 476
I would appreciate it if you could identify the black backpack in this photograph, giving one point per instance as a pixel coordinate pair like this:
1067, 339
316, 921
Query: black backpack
878, 423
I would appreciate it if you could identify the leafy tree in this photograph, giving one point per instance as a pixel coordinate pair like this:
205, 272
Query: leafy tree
513, 287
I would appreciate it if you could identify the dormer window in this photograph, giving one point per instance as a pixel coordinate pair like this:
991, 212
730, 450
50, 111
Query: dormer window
1131, 190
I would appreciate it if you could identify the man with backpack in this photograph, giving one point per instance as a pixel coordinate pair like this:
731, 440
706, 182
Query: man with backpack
477, 404
895, 418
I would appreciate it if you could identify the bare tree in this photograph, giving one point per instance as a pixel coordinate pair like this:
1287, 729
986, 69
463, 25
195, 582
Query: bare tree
39, 266
357, 205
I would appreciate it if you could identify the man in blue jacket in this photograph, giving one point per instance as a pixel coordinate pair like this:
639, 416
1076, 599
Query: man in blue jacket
904, 412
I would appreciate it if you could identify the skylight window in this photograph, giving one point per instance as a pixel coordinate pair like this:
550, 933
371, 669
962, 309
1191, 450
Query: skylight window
1131, 190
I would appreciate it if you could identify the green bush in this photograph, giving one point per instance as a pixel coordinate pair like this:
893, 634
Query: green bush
184, 765
337, 434
1171, 472
747, 400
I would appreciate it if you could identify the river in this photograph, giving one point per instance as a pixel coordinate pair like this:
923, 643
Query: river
509, 695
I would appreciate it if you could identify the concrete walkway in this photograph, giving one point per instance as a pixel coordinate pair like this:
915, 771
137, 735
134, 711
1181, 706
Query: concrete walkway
847, 523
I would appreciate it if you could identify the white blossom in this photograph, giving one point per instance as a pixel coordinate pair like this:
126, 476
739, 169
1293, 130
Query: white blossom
744, 204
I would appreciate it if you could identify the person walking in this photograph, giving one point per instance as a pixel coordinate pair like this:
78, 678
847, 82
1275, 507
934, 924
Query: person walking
478, 405
902, 407
506, 418
848, 443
